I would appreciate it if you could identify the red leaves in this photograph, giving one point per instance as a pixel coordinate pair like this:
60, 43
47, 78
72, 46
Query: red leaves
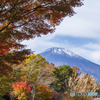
21, 89
57, 18
4, 48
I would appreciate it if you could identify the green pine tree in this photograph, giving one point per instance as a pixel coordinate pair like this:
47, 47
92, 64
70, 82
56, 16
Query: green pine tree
60, 83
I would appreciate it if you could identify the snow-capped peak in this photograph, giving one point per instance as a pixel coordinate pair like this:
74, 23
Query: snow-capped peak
57, 50
61, 51
69, 52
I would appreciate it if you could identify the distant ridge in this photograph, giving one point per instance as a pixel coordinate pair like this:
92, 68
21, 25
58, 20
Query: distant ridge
60, 56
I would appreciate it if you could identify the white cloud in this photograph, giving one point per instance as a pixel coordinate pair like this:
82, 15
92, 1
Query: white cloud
89, 51
83, 24
92, 46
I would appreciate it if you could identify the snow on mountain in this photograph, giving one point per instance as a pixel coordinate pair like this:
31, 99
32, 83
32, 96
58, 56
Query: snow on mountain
60, 51
60, 56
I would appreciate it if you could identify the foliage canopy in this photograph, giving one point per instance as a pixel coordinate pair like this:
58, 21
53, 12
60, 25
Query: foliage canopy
25, 19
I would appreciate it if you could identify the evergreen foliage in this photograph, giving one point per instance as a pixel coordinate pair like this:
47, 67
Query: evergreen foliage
62, 75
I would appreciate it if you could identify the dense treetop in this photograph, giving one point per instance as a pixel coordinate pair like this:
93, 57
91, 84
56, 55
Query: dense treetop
25, 19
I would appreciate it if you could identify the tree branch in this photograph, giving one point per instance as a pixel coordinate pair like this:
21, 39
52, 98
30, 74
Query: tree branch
5, 27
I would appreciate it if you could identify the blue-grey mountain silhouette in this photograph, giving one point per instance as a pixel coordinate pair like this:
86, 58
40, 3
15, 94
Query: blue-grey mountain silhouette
60, 56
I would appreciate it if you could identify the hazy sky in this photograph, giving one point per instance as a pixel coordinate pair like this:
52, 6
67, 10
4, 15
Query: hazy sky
79, 33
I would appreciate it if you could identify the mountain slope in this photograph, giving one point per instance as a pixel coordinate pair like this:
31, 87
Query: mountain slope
60, 56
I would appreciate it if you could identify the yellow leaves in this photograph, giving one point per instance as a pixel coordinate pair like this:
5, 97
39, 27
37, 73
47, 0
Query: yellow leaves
33, 5
53, 22
65, 92
3, 25
32, 68
76, 71
5, 84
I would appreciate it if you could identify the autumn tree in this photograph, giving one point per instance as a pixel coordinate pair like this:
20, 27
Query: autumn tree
25, 19
21, 90
43, 92
35, 67
32, 69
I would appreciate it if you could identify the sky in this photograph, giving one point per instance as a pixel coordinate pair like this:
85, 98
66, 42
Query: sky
79, 33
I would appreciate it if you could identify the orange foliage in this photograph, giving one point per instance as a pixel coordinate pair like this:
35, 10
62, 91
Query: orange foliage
21, 89
43, 92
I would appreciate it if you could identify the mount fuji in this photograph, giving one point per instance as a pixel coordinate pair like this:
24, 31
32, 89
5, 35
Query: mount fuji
60, 56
